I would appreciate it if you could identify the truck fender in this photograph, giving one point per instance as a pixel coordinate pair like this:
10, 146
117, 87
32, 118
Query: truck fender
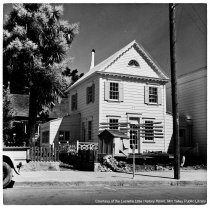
9, 161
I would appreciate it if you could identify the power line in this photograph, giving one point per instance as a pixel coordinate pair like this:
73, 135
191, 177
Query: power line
194, 21
198, 16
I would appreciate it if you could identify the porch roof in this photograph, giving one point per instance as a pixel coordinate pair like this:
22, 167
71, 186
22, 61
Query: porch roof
114, 133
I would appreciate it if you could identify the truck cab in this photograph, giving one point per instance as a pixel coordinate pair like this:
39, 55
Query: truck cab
13, 159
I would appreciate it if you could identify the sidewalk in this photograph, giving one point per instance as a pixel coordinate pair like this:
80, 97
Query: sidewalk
77, 178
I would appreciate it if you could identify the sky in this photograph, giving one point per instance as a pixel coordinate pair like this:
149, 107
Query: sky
109, 27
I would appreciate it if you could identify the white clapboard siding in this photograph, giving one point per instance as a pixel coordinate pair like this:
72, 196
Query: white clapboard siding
134, 103
121, 65
131, 96
88, 111
192, 97
54, 128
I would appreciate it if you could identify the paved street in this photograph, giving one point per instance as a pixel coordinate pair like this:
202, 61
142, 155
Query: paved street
57, 195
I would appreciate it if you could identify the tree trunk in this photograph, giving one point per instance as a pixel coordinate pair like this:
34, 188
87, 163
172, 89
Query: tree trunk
32, 116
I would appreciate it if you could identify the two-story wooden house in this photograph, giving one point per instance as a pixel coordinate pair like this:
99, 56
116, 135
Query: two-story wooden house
128, 88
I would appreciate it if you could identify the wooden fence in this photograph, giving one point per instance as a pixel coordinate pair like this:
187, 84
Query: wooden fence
81, 149
44, 154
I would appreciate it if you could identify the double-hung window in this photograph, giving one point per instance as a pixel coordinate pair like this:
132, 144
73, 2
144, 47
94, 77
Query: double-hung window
90, 93
83, 131
90, 123
64, 136
74, 102
113, 123
153, 95
114, 91
149, 131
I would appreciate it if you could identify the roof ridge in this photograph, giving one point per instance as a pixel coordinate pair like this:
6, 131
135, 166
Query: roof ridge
102, 66
95, 68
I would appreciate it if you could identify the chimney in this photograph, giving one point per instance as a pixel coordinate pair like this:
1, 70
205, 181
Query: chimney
92, 59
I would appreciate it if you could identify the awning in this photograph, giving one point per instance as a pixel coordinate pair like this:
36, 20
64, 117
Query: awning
113, 133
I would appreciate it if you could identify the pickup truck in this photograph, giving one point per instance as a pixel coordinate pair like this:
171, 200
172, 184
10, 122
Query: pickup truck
13, 159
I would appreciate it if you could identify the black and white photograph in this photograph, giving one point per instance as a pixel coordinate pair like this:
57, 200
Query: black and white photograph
104, 103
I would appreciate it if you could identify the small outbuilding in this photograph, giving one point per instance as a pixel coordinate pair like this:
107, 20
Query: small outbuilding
114, 142
60, 130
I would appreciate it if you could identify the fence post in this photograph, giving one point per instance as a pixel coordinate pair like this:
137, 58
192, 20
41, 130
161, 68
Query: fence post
50, 155
77, 150
57, 151
54, 150
38, 154
44, 155
47, 153
35, 154
41, 153
95, 160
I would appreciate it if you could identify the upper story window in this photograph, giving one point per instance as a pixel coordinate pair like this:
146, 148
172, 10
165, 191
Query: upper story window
74, 102
133, 62
153, 95
113, 91
113, 123
90, 93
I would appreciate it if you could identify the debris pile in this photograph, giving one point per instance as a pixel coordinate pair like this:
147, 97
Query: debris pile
110, 164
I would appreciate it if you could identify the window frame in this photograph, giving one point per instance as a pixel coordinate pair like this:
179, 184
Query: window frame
134, 63
64, 132
111, 91
116, 124
45, 137
83, 131
149, 131
90, 94
74, 102
90, 130
153, 95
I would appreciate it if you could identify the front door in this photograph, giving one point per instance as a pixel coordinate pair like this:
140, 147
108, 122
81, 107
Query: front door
134, 134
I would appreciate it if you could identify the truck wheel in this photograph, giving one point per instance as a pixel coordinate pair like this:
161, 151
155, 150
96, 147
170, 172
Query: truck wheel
7, 174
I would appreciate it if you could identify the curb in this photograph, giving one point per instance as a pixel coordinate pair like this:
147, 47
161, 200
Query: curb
136, 183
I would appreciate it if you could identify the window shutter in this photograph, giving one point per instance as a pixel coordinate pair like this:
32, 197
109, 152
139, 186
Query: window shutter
76, 101
72, 97
93, 92
87, 89
159, 96
146, 94
106, 90
121, 92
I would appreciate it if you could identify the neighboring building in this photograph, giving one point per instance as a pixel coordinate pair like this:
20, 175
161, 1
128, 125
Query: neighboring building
20, 106
192, 102
58, 131
128, 88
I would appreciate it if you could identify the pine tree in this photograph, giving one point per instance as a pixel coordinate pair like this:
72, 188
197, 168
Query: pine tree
36, 47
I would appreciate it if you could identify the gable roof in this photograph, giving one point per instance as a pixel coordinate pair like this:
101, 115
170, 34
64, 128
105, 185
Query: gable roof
101, 67
113, 133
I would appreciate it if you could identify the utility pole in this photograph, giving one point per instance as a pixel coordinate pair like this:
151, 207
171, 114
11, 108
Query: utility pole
174, 91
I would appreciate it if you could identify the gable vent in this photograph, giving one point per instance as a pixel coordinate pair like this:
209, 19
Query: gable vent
133, 62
